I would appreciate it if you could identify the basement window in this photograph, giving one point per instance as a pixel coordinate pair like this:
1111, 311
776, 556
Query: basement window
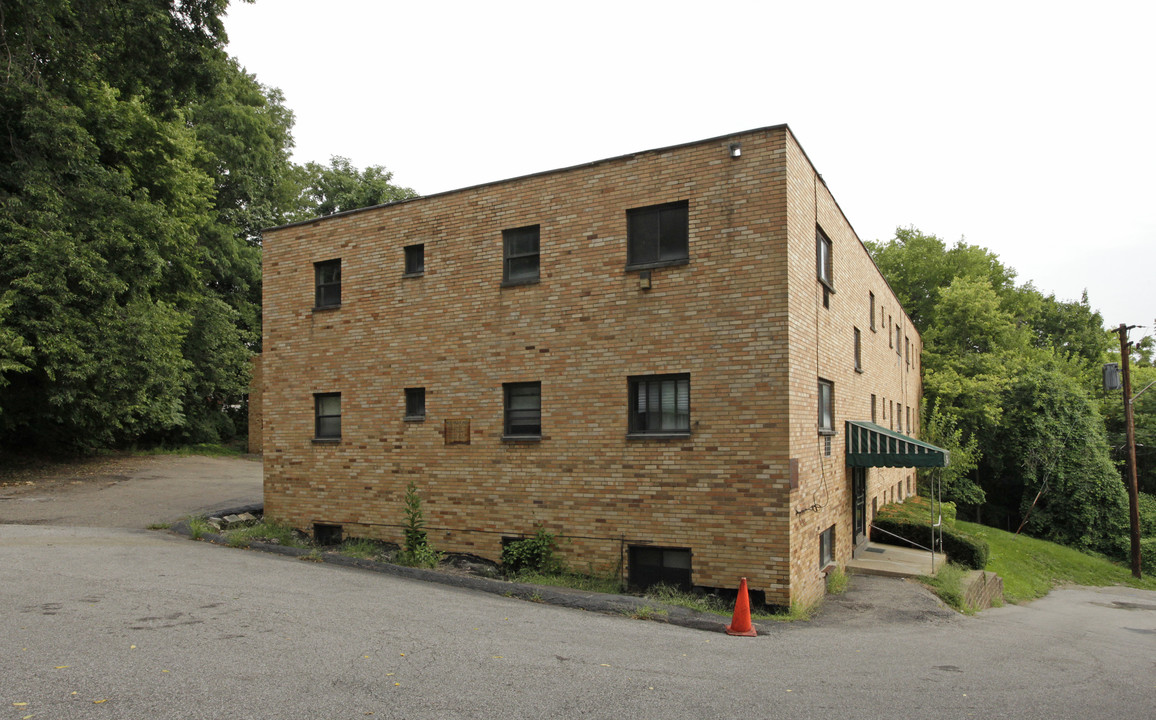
827, 547
326, 534
653, 565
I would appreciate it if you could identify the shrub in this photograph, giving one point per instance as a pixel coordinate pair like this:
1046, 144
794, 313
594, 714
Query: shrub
911, 522
535, 553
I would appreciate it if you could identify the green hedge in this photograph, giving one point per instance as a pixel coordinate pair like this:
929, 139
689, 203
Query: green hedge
911, 521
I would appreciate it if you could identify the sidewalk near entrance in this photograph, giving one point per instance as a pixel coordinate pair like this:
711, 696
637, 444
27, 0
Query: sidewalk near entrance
893, 561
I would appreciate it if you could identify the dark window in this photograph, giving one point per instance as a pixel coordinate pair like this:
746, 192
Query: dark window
327, 276
858, 351
900, 417
523, 409
660, 404
823, 258
909, 428
520, 250
327, 411
415, 403
826, 406
907, 350
873, 416
414, 259
871, 300
326, 534
827, 547
657, 235
653, 565
898, 338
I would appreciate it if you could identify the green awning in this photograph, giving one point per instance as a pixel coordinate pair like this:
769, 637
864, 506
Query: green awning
871, 445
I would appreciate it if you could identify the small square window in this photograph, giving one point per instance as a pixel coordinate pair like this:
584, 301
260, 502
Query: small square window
327, 281
858, 351
657, 235
327, 416
415, 403
823, 259
871, 314
414, 260
827, 547
659, 404
520, 253
523, 410
826, 407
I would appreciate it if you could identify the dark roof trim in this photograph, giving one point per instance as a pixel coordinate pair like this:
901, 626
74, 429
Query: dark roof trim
593, 163
871, 445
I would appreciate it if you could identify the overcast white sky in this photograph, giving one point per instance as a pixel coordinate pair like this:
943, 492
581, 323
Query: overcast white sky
1028, 128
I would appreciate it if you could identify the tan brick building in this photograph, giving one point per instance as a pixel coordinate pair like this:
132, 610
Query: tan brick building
653, 356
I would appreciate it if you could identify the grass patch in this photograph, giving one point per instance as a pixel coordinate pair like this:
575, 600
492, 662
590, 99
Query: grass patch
837, 581
716, 605
268, 532
211, 449
947, 583
644, 613
158, 526
199, 527
578, 581
364, 549
1031, 568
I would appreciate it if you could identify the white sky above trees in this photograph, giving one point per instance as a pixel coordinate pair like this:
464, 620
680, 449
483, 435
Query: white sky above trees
1027, 128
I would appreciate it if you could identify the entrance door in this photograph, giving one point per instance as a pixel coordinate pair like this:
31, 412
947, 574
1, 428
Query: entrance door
859, 503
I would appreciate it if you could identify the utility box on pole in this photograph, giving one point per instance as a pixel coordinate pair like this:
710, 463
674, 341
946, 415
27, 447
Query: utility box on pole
1112, 377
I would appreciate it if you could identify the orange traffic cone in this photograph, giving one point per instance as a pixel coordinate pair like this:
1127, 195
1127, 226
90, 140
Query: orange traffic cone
741, 620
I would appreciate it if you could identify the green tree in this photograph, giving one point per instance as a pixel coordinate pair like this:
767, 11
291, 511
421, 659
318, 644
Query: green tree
940, 427
339, 186
138, 163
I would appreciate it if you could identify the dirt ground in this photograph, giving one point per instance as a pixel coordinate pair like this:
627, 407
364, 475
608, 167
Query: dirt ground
125, 491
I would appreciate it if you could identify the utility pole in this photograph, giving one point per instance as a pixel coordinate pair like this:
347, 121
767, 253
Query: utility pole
1130, 433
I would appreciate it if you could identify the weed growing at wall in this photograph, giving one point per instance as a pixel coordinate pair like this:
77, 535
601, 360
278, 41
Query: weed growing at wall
417, 551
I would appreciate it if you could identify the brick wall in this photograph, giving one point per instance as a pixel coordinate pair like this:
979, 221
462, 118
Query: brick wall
822, 346
736, 317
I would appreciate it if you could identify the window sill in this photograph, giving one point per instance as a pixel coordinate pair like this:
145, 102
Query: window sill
859, 370
414, 418
516, 283
414, 275
658, 435
326, 441
830, 286
826, 433
660, 264
326, 308
521, 438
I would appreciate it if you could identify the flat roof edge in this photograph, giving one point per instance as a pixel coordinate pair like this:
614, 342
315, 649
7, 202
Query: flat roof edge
568, 168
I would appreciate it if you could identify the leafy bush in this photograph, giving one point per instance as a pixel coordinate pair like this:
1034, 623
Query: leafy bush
535, 553
911, 522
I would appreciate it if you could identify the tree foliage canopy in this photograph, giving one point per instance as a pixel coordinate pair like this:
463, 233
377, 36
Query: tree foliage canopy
138, 164
1010, 379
